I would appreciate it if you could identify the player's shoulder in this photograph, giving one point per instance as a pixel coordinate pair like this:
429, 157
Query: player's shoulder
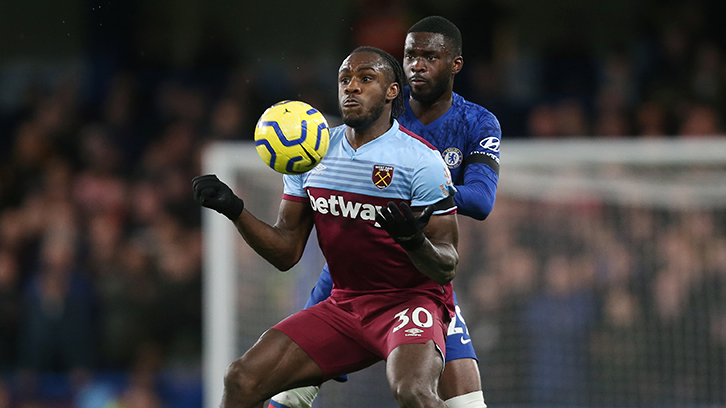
467, 106
415, 147
400, 136
337, 132
474, 113
398, 144
335, 145
417, 151
412, 139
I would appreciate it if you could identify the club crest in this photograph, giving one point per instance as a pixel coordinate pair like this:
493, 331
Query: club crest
382, 176
452, 157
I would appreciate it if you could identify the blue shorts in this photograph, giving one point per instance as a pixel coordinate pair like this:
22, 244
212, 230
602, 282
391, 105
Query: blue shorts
458, 342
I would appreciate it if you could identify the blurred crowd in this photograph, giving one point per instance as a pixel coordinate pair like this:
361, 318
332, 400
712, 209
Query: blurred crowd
592, 304
100, 240
667, 77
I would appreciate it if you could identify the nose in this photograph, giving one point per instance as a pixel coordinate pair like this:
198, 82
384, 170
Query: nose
352, 87
418, 64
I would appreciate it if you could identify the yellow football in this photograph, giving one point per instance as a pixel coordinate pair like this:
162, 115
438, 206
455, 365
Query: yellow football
292, 137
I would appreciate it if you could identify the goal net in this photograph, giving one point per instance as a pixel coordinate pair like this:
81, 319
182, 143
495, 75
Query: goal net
598, 280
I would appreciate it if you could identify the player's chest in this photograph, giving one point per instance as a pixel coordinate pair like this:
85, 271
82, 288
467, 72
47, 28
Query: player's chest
448, 138
389, 178
451, 145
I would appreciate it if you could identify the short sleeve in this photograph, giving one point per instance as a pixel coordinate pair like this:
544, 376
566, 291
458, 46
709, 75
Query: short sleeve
294, 185
431, 181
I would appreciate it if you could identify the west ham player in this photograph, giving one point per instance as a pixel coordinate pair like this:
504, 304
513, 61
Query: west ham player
391, 270
468, 137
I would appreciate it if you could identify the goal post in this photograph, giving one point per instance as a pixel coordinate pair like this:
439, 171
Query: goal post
598, 280
219, 275
243, 295
578, 164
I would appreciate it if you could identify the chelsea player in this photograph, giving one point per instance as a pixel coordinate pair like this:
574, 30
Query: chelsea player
468, 137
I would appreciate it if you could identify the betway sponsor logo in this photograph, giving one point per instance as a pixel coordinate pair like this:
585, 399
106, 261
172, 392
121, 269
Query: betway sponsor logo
337, 206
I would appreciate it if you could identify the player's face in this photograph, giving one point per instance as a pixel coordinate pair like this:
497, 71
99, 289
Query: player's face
362, 86
429, 65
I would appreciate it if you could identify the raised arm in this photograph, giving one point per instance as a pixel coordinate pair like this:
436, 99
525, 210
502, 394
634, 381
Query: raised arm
281, 244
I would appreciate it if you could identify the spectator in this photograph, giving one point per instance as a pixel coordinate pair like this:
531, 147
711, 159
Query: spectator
57, 322
700, 120
651, 120
617, 348
558, 321
9, 310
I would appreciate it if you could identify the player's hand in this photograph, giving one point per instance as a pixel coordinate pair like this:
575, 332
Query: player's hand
404, 227
212, 193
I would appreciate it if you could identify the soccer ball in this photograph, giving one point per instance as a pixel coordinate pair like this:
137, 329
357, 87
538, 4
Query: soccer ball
292, 137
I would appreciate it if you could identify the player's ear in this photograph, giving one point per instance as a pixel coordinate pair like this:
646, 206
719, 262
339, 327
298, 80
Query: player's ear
392, 92
457, 64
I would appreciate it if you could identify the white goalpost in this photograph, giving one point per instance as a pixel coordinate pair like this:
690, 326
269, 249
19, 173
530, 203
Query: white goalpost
598, 280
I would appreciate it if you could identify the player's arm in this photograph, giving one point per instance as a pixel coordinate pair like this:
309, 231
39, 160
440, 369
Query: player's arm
430, 241
475, 198
438, 257
281, 244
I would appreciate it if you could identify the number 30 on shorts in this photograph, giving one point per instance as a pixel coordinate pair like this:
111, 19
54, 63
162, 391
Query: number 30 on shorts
420, 317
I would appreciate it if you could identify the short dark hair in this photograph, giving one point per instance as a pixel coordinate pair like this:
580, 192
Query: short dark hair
397, 75
440, 25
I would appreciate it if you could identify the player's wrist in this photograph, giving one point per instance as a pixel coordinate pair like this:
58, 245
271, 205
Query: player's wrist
411, 243
235, 208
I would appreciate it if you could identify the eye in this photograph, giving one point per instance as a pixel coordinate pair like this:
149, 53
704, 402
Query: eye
432, 57
344, 80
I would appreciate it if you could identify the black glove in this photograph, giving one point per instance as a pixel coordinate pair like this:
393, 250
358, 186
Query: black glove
210, 192
404, 227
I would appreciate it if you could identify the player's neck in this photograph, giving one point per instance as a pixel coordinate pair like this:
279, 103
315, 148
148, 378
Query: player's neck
361, 135
429, 113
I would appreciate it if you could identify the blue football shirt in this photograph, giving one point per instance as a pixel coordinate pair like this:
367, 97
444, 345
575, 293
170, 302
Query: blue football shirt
468, 137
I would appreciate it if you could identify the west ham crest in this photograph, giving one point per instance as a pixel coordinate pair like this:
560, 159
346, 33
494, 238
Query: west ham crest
382, 176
